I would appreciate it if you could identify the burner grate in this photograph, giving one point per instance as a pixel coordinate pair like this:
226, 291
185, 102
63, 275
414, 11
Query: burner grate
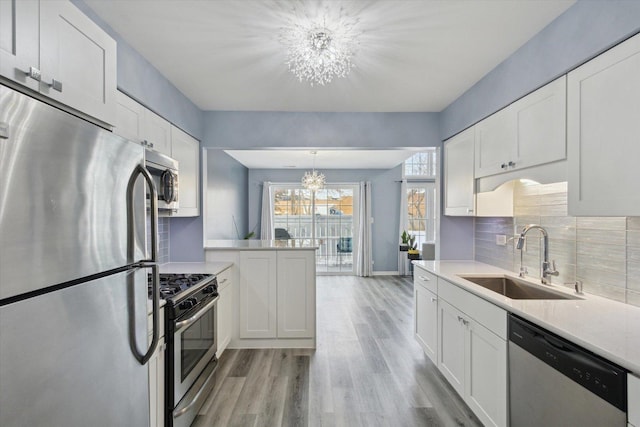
173, 284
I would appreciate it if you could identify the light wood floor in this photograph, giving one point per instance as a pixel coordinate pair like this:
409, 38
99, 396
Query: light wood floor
367, 369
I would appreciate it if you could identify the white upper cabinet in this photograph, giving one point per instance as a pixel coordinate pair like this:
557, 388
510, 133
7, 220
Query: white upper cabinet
603, 132
19, 40
495, 137
129, 118
77, 60
459, 183
186, 150
156, 132
541, 125
529, 132
51, 47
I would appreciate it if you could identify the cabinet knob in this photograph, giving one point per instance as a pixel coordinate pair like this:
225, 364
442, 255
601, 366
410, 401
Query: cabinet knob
503, 166
426, 279
55, 85
33, 73
469, 210
434, 299
512, 164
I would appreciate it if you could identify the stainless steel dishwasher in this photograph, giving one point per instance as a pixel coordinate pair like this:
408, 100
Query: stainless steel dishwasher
553, 382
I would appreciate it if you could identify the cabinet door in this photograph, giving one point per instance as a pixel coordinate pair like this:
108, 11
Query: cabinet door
426, 321
225, 311
602, 132
541, 125
451, 348
258, 299
19, 40
633, 393
129, 117
157, 132
486, 375
459, 183
156, 385
78, 54
186, 150
296, 294
495, 139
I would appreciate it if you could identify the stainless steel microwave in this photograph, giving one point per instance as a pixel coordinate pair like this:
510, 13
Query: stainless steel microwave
164, 171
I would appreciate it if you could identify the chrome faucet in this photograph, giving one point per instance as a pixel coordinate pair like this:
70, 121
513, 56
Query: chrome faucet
548, 268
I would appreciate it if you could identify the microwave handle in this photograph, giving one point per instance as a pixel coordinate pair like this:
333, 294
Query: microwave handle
152, 263
168, 180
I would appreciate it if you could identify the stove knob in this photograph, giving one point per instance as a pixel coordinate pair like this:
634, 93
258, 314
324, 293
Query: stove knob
186, 305
209, 290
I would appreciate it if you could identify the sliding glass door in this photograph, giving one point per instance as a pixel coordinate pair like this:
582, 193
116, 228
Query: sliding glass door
328, 215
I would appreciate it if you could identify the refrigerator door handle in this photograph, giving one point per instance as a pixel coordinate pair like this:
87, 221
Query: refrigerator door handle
153, 262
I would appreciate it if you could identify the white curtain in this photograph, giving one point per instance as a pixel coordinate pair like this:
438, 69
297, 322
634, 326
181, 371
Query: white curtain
363, 256
266, 220
403, 264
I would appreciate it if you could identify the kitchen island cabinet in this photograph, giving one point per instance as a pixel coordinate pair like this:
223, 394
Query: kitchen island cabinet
275, 296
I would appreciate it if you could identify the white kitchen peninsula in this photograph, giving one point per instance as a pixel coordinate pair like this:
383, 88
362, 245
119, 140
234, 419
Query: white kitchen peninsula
272, 292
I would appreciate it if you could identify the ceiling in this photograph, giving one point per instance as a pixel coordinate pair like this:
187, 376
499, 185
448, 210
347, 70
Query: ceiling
324, 159
414, 55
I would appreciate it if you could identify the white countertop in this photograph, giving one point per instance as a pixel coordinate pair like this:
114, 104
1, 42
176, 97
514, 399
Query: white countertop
259, 245
194, 267
608, 328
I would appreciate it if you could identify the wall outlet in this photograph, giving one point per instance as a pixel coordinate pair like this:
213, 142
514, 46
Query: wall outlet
501, 239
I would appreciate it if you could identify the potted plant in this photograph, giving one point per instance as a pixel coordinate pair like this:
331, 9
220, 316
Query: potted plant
404, 247
413, 252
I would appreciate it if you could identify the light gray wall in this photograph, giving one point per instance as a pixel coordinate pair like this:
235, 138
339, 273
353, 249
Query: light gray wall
385, 204
582, 32
143, 82
242, 130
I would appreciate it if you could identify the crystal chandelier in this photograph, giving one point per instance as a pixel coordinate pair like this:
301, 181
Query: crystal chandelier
313, 180
320, 49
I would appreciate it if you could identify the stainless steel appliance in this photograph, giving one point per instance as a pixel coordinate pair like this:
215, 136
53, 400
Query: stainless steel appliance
73, 271
553, 382
164, 171
191, 343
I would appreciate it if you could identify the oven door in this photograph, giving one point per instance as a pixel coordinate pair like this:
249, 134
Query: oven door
195, 344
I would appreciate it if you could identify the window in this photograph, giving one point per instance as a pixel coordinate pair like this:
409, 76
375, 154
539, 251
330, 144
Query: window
330, 217
422, 165
421, 211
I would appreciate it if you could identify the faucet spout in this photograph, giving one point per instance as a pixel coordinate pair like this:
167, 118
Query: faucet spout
548, 268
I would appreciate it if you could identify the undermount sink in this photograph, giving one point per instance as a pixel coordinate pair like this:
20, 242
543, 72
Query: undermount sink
516, 289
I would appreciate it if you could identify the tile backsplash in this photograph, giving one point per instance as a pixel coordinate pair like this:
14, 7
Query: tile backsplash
603, 252
163, 239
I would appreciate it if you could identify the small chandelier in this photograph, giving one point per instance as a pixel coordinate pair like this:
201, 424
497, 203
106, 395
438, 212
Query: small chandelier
313, 180
320, 49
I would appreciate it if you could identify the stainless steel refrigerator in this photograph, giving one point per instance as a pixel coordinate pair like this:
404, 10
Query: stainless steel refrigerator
74, 343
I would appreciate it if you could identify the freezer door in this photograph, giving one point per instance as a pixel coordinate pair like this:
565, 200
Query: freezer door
66, 360
63, 201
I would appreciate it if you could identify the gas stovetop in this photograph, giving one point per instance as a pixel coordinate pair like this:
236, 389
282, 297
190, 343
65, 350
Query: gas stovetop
172, 286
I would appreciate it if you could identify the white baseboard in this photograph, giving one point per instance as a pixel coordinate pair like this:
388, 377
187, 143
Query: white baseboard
385, 273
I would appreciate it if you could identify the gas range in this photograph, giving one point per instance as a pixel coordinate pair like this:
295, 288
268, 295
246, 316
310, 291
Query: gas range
183, 292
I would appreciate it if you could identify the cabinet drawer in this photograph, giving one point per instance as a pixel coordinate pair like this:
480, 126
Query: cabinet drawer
425, 279
160, 324
224, 278
491, 316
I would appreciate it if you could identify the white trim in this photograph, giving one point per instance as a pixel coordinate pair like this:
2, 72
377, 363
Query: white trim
385, 273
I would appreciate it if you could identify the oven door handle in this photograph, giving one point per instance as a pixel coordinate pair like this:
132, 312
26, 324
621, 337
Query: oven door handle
191, 320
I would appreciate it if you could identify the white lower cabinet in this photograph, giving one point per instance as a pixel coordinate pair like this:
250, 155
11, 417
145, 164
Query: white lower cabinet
633, 385
157, 374
277, 294
156, 385
296, 298
426, 321
467, 337
224, 323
